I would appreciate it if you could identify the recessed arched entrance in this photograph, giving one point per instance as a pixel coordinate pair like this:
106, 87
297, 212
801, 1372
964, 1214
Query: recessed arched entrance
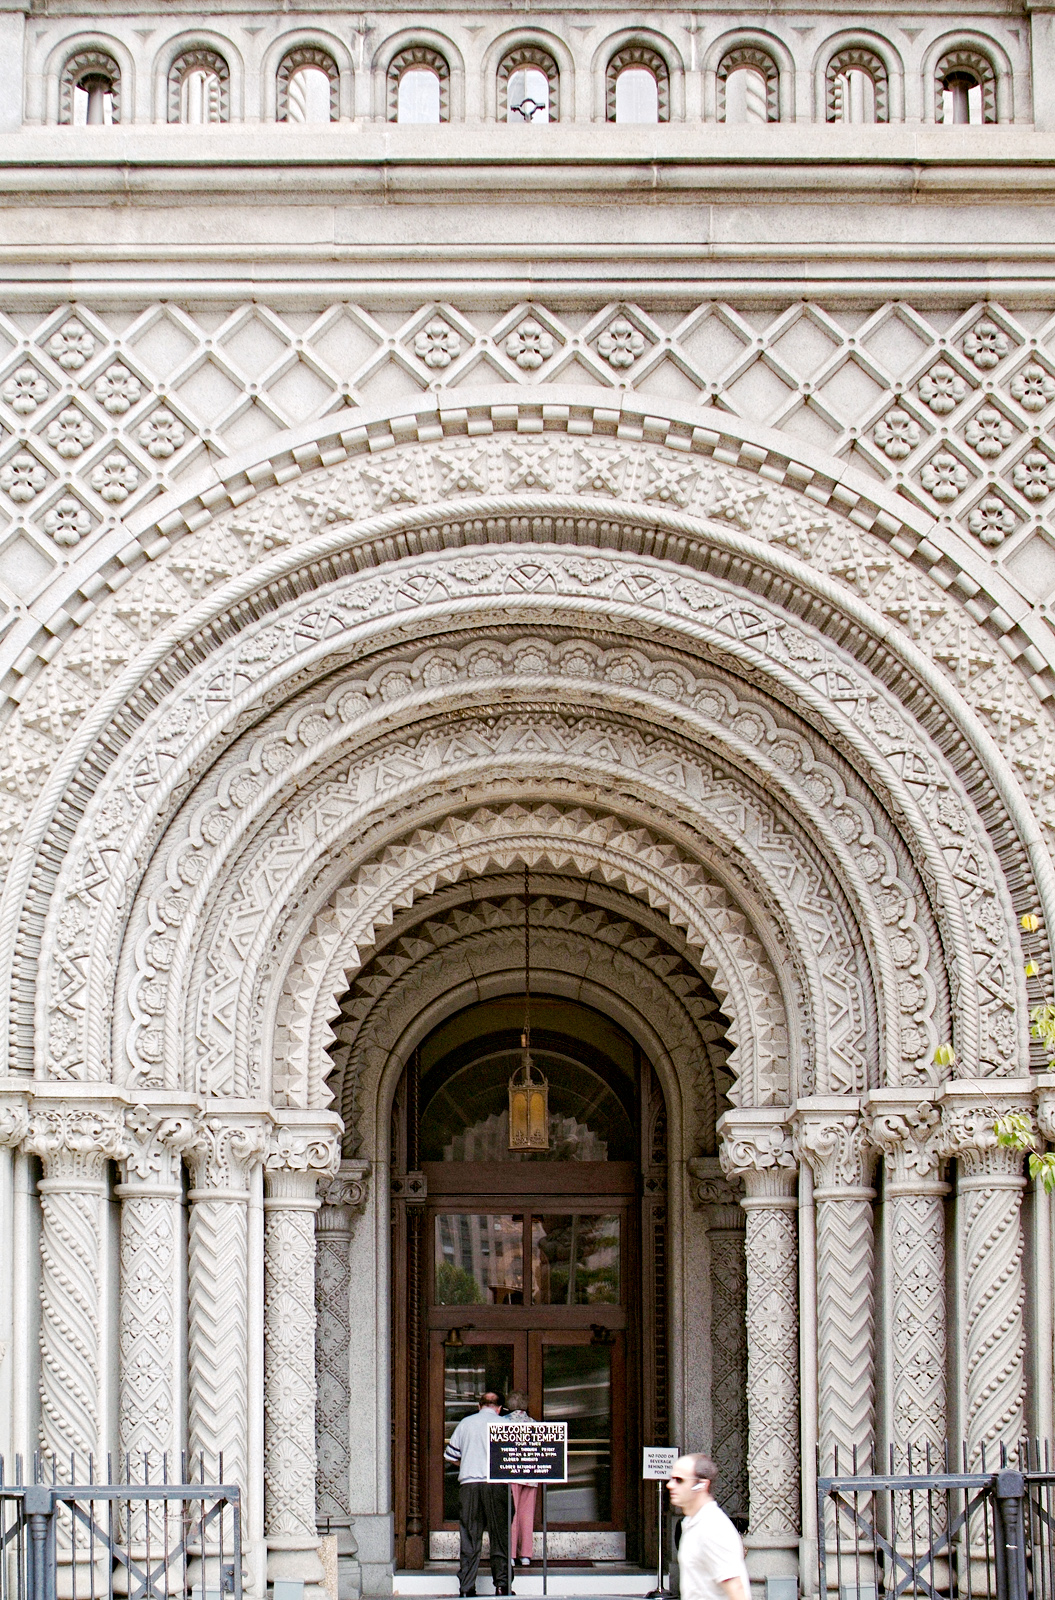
543, 1271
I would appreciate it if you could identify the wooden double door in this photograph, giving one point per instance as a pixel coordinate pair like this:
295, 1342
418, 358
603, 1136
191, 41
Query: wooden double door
530, 1292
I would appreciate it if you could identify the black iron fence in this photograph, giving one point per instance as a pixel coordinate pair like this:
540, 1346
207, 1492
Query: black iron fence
131, 1540
932, 1532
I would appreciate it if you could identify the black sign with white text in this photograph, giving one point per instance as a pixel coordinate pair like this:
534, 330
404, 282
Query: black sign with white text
528, 1452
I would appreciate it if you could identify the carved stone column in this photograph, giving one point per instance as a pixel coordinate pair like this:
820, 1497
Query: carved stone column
151, 1313
74, 1144
989, 1188
341, 1199
908, 1134
833, 1140
756, 1149
222, 1152
719, 1199
297, 1157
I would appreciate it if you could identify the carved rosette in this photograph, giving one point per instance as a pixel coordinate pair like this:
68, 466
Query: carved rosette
835, 1145
151, 1196
74, 1146
759, 1153
296, 1159
221, 1153
994, 1336
341, 1199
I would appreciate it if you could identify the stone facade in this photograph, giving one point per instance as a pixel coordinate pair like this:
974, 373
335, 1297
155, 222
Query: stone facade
385, 508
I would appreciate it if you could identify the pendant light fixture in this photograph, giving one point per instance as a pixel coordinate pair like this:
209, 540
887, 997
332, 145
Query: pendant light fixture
528, 1088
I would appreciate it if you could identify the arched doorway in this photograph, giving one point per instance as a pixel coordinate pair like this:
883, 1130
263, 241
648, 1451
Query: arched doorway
543, 1271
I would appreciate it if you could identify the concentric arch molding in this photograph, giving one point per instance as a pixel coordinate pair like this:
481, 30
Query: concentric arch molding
624, 470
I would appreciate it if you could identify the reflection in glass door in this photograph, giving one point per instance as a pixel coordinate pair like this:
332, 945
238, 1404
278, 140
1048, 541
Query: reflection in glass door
577, 1389
469, 1370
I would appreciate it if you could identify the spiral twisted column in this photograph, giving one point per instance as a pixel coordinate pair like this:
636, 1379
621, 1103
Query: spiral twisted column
297, 1157
221, 1152
341, 1199
908, 1134
833, 1139
757, 1151
74, 1144
989, 1189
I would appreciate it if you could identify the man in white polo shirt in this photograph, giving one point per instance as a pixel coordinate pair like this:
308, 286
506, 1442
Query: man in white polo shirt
711, 1553
482, 1504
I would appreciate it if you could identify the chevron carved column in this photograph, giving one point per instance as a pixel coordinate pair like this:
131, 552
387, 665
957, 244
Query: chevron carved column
297, 1157
151, 1313
222, 1153
909, 1135
833, 1139
74, 1145
989, 1191
756, 1149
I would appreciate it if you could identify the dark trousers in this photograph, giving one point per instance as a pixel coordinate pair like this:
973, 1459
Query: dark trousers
482, 1505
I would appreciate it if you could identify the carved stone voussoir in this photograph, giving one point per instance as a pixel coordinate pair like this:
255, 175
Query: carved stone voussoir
836, 1145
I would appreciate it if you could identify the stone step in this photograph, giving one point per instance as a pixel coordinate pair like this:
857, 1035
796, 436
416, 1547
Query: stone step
563, 1582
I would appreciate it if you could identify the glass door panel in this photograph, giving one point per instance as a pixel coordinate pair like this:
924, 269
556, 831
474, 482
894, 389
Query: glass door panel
578, 1379
464, 1372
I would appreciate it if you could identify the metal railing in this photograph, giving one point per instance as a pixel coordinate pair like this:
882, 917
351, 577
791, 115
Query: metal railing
930, 1532
135, 1539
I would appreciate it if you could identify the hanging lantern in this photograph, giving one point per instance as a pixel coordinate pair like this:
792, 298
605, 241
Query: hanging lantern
528, 1108
528, 1091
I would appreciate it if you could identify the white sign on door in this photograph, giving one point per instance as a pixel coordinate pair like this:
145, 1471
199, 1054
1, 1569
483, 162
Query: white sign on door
658, 1462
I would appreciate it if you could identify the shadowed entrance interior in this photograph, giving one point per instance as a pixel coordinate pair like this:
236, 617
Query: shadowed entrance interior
539, 1270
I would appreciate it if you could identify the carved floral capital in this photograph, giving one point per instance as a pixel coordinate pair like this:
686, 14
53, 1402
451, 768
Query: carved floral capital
152, 1145
313, 1150
714, 1193
910, 1139
14, 1122
969, 1133
761, 1155
75, 1142
222, 1151
835, 1144
1046, 1110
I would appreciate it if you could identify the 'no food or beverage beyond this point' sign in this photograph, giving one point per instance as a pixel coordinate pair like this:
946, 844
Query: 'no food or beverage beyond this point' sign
658, 1462
528, 1452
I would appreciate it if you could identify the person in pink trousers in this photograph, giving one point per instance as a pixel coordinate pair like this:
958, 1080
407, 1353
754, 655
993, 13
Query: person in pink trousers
522, 1543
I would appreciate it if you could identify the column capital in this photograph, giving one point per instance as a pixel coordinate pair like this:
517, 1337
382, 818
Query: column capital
297, 1156
907, 1130
969, 1112
343, 1196
757, 1148
832, 1137
1046, 1108
153, 1141
221, 1150
716, 1194
14, 1118
75, 1142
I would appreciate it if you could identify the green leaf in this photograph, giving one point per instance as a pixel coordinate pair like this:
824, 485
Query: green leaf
1014, 1131
1043, 1168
